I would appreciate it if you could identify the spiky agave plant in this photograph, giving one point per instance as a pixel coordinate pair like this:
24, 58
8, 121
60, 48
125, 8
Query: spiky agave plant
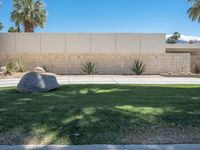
8, 68
21, 67
45, 68
138, 67
89, 68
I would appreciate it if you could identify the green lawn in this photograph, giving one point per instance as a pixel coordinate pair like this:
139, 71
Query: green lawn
96, 114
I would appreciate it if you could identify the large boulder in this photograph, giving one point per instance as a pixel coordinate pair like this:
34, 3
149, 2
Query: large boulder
34, 82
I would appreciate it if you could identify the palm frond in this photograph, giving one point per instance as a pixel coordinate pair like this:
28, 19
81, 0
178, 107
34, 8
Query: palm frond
194, 10
29, 11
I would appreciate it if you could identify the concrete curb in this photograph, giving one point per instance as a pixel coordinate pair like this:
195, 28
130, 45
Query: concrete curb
102, 147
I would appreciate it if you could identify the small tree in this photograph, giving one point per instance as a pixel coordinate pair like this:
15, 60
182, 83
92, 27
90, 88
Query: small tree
1, 25
12, 30
174, 38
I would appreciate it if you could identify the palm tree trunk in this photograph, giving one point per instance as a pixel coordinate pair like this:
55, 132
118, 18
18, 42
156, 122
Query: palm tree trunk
18, 29
29, 26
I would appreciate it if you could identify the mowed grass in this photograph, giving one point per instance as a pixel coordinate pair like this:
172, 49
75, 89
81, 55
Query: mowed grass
102, 114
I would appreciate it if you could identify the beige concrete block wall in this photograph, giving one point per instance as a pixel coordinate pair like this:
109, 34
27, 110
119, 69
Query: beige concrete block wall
78, 43
128, 42
192, 49
195, 60
28, 42
53, 42
110, 63
103, 43
113, 53
82, 43
153, 43
7, 42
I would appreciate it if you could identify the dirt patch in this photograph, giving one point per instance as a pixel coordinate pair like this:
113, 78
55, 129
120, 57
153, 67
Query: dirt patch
152, 135
16, 75
17, 137
163, 135
185, 75
12, 76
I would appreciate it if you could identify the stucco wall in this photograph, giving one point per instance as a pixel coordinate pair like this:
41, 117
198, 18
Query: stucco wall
82, 42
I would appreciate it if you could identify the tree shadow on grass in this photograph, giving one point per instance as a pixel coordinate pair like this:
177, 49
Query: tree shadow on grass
101, 114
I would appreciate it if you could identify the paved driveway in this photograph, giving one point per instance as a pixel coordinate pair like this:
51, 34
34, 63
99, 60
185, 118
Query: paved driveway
112, 79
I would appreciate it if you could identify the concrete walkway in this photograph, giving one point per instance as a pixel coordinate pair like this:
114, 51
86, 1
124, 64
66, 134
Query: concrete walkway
104, 147
112, 79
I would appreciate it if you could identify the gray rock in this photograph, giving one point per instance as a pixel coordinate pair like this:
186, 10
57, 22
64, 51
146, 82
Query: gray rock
34, 82
39, 70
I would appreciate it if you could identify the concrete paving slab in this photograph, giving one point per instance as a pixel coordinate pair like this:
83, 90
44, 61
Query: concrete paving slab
163, 147
102, 147
91, 79
112, 79
154, 80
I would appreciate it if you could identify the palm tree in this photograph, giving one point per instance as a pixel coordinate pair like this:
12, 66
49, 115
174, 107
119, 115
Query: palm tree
17, 22
174, 38
194, 11
29, 13
1, 25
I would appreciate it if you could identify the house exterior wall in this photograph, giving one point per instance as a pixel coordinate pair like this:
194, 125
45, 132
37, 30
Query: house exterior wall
192, 49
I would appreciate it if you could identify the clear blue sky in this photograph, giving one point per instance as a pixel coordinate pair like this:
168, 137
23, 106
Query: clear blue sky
166, 16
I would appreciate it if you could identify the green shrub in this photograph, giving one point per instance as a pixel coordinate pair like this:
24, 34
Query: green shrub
12, 30
20, 66
138, 67
8, 68
89, 68
45, 68
197, 69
